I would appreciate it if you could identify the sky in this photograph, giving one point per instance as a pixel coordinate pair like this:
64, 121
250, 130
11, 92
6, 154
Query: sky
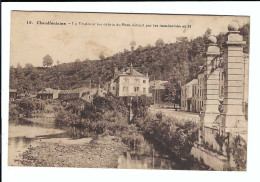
85, 35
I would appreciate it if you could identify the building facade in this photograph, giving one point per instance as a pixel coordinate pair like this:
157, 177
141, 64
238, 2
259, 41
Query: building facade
188, 98
128, 83
48, 93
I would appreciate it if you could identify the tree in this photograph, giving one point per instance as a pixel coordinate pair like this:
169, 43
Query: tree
101, 56
26, 106
159, 42
207, 33
47, 60
221, 41
245, 32
28, 66
19, 66
140, 106
132, 44
173, 92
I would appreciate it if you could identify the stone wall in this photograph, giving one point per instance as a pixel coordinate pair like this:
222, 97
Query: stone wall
215, 161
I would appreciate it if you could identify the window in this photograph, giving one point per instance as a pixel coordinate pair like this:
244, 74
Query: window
144, 81
136, 89
113, 88
137, 80
144, 90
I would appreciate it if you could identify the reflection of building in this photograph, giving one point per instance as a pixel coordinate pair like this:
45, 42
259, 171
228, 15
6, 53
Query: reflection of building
187, 95
157, 89
129, 82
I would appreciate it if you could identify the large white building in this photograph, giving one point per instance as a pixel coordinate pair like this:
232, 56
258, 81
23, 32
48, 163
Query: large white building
129, 82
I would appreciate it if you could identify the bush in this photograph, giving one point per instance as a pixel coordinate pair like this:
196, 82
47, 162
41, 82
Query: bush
172, 134
159, 115
62, 119
140, 106
13, 113
239, 152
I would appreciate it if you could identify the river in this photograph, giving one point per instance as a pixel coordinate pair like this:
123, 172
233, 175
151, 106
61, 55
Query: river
26, 134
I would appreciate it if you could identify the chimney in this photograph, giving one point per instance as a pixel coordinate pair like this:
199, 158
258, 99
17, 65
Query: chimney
131, 69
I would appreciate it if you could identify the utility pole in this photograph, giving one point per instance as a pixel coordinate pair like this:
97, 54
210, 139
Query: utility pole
154, 95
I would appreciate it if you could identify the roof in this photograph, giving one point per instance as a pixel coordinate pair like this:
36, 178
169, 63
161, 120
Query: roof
135, 73
126, 72
69, 91
48, 91
12, 90
158, 84
192, 82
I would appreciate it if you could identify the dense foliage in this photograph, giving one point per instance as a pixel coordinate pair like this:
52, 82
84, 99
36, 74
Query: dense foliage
105, 115
25, 107
140, 106
174, 136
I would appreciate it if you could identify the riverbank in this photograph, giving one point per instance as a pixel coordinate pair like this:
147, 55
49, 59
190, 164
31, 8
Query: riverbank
97, 153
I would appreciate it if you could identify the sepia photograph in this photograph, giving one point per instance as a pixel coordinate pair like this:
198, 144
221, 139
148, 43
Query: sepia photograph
128, 91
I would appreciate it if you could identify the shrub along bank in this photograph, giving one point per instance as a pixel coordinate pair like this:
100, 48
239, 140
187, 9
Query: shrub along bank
170, 136
105, 116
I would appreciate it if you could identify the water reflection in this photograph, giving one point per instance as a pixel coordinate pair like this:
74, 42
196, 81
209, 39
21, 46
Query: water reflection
16, 146
144, 157
27, 122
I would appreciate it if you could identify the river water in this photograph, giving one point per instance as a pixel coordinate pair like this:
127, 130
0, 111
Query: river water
143, 157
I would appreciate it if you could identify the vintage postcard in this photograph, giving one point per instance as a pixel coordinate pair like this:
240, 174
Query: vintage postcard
129, 91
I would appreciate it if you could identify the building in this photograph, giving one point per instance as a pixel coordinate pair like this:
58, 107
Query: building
129, 82
84, 93
48, 93
187, 95
181, 39
200, 92
157, 90
12, 94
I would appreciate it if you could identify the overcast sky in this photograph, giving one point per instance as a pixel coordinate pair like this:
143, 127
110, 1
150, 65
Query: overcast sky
31, 42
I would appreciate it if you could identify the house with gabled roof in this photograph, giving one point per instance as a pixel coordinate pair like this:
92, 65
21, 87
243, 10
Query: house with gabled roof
129, 82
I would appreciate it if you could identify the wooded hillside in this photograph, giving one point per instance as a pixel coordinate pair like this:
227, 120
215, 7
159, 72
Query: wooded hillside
174, 62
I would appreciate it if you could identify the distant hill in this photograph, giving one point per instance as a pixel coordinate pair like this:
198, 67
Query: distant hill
172, 62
